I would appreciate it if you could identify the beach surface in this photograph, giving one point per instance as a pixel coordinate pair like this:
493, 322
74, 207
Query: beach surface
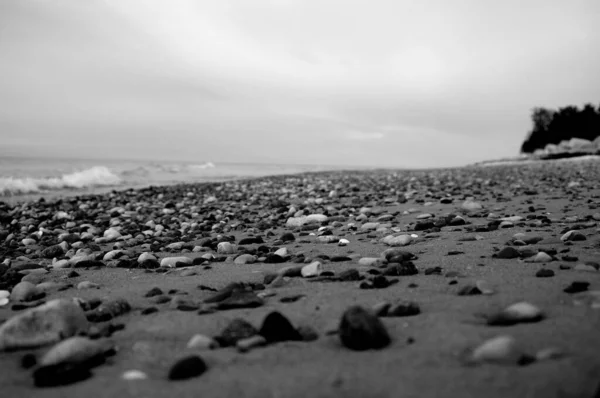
461, 245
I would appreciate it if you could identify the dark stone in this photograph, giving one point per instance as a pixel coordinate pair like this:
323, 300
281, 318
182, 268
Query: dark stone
73, 274
149, 264
291, 299
89, 264
406, 308
277, 328
237, 329
433, 271
577, 287
224, 292
240, 299
287, 237
405, 268
507, 253
348, 275
340, 258
250, 240
361, 330
155, 291
544, 273
28, 361
274, 259
60, 375
52, 252
149, 310
188, 367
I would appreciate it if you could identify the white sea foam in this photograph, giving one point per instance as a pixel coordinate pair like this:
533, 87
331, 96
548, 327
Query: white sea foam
98, 176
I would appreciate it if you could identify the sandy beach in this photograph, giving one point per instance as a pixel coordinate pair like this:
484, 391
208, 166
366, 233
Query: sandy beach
460, 245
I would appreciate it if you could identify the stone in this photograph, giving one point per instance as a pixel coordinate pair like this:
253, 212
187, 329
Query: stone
247, 344
313, 269
43, 325
402, 309
573, 236
401, 240
76, 350
237, 329
507, 253
544, 273
202, 342
577, 287
471, 205
245, 259
87, 285
349, 275
276, 328
187, 368
404, 269
522, 312
134, 374
52, 252
502, 350
541, 257
226, 248
240, 299
145, 257
361, 330
172, 262
25, 291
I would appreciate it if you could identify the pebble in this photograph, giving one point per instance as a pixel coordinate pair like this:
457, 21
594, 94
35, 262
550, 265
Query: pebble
522, 312
134, 374
544, 273
25, 291
202, 342
313, 269
361, 330
76, 350
401, 240
172, 262
277, 328
187, 368
237, 329
573, 236
42, 325
245, 259
247, 344
502, 350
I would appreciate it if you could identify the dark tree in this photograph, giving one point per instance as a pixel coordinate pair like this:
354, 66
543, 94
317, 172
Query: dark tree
552, 127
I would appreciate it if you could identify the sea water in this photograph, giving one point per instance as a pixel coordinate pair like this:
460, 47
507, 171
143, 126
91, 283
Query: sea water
23, 177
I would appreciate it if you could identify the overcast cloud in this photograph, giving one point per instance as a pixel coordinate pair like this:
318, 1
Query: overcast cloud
350, 82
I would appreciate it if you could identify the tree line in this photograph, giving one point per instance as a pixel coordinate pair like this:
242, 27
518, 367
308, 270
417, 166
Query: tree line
553, 126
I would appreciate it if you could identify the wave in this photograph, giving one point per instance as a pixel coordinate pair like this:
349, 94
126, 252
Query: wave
98, 176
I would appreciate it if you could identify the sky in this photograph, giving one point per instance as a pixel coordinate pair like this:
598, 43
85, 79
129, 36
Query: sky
394, 83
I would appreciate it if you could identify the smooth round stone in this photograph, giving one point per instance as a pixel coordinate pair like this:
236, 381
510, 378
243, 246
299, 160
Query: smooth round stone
187, 368
4, 294
573, 236
343, 242
112, 234
4, 301
24, 291
361, 330
134, 374
541, 257
522, 312
202, 342
313, 269
171, 262
61, 264
245, 259
111, 255
282, 252
75, 349
226, 248
401, 240
371, 261
87, 285
48, 286
42, 325
28, 242
471, 205
500, 350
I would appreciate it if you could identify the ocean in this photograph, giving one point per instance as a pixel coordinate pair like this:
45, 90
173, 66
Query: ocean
27, 178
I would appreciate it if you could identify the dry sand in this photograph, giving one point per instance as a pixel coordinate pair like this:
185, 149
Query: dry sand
431, 365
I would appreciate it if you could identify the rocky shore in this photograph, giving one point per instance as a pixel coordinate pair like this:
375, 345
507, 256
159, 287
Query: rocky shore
467, 282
